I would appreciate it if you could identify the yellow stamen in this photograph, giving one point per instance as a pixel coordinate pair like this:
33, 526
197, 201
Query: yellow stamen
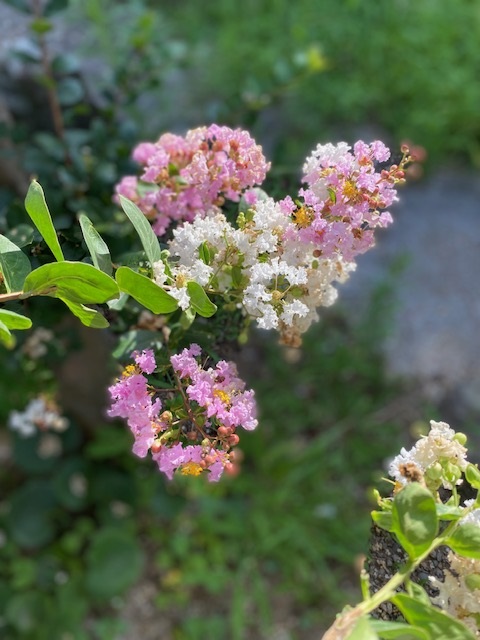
191, 469
350, 190
129, 370
223, 396
303, 217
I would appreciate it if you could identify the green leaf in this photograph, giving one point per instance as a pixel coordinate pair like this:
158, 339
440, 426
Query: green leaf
37, 209
89, 317
398, 631
439, 625
148, 238
114, 562
448, 512
472, 475
76, 282
14, 265
14, 320
465, 540
96, 245
204, 253
6, 337
145, 291
414, 519
362, 630
30, 518
383, 519
200, 301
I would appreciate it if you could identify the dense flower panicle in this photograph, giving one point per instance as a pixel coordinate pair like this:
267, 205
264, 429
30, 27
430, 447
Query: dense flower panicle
40, 414
281, 262
194, 429
345, 198
438, 457
185, 177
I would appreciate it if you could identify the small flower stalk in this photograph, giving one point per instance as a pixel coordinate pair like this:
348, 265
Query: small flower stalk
191, 426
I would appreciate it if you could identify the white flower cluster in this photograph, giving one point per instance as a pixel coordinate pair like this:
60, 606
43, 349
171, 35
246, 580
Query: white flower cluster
439, 449
39, 414
276, 279
456, 596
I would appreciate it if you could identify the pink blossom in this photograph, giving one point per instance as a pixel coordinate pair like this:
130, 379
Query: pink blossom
185, 177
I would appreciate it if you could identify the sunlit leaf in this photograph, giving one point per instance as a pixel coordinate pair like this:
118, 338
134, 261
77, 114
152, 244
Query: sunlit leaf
398, 631
145, 291
14, 320
96, 245
439, 625
414, 519
76, 282
147, 237
465, 540
37, 209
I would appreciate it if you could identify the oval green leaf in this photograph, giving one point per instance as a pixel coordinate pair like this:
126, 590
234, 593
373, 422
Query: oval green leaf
37, 209
145, 291
14, 265
439, 625
6, 337
472, 475
398, 631
199, 300
114, 562
14, 320
382, 519
142, 226
414, 519
465, 540
96, 245
76, 282
89, 317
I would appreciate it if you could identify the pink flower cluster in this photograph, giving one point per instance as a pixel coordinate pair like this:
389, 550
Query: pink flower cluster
345, 198
185, 177
197, 430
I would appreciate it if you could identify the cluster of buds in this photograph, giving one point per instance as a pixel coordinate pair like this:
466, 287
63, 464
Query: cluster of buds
191, 426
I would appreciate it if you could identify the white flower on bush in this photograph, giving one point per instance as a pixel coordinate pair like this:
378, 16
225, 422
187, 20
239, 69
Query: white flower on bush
439, 457
39, 414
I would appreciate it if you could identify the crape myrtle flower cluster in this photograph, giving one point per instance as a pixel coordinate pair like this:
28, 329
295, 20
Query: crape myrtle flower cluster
40, 414
192, 425
436, 460
187, 177
280, 261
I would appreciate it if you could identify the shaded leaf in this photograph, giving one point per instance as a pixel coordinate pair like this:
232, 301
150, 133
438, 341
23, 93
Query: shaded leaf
114, 563
145, 291
89, 317
14, 265
37, 209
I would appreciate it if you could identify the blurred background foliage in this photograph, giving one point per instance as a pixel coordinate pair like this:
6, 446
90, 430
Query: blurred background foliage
272, 552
